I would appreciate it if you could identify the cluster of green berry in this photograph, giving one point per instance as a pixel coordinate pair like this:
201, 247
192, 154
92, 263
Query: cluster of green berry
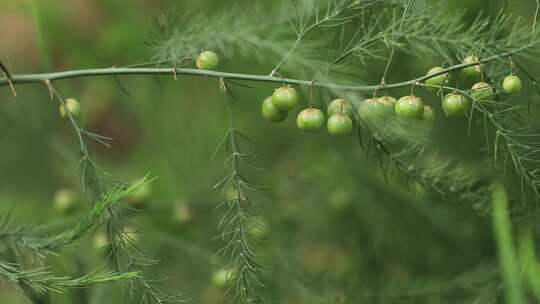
340, 112
406, 107
455, 104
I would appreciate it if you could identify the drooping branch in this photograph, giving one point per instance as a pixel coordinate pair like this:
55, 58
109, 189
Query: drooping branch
240, 216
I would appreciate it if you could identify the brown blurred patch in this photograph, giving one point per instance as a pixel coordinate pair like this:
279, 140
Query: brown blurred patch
211, 295
17, 39
119, 123
323, 258
85, 17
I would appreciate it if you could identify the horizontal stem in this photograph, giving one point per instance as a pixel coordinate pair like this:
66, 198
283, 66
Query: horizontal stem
113, 71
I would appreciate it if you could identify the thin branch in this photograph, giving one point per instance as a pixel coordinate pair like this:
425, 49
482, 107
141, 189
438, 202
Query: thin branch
536, 15
39, 78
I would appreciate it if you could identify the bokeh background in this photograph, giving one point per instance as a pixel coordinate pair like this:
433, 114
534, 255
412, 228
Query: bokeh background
336, 229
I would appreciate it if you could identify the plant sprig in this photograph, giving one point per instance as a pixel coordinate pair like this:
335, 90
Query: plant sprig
240, 215
125, 256
42, 280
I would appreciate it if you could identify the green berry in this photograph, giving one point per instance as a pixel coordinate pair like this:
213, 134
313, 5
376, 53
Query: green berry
410, 107
376, 108
481, 90
285, 98
512, 85
339, 199
437, 80
65, 200
140, 195
182, 213
310, 120
455, 105
271, 113
340, 106
429, 113
100, 240
231, 194
339, 124
132, 234
207, 60
473, 71
73, 107
388, 102
259, 230
220, 277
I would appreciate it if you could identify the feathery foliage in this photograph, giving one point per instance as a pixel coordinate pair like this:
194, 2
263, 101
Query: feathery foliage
240, 214
328, 43
42, 280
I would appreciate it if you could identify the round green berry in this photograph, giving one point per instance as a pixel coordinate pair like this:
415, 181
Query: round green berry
376, 108
65, 200
271, 113
437, 80
455, 105
140, 195
340, 106
207, 60
132, 234
472, 71
220, 277
232, 195
368, 109
259, 230
182, 213
310, 120
481, 90
410, 107
285, 98
339, 124
100, 240
512, 85
388, 102
73, 107
339, 199
429, 113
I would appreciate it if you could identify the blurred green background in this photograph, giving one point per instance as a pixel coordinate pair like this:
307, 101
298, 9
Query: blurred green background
335, 229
